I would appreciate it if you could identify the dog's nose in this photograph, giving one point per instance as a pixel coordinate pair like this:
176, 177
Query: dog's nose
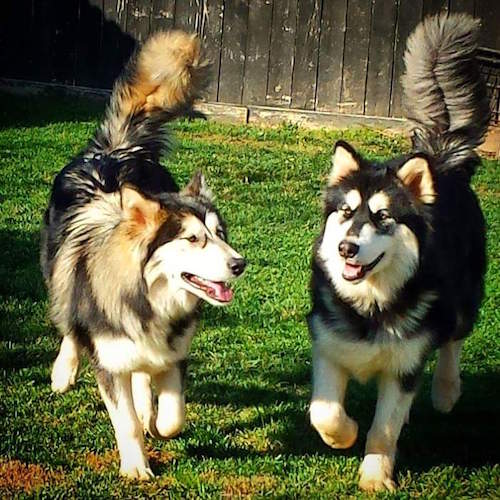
237, 266
348, 249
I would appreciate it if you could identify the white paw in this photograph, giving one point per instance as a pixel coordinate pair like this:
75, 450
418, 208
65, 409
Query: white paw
445, 393
147, 420
170, 427
63, 374
140, 471
333, 425
376, 473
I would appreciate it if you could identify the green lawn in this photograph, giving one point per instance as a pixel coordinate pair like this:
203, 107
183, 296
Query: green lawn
249, 378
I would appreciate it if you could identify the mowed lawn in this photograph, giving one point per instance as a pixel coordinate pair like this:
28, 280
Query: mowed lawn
247, 431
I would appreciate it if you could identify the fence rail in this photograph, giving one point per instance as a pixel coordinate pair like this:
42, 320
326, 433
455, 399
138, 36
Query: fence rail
344, 56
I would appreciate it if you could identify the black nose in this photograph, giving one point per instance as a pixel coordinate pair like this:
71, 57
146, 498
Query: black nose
348, 249
237, 266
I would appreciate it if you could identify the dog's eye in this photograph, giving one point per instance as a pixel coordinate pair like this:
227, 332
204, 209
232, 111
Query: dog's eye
346, 209
383, 215
192, 239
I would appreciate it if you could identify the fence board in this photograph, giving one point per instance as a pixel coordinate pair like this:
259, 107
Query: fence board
257, 52
138, 16
281, 53
380, 58
434, 6
306, 54
355, 56
212, 16
462, 6
409, 15
232, 66
331, 50
187, 15
489, 12
162, 15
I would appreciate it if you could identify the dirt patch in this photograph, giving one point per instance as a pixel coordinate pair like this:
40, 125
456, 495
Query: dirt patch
19, 476
242, 486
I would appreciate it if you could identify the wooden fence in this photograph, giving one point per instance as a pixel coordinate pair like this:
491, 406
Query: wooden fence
344, 56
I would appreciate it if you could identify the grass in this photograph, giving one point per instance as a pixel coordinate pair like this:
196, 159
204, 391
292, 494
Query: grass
249, 379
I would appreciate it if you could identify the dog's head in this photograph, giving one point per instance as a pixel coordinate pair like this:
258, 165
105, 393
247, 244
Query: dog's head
375, 223
183, 244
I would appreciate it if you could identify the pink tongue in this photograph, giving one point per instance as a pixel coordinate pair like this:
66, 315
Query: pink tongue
221, 292
352, 270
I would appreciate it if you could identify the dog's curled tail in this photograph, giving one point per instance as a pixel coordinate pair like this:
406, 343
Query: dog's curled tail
160, 82
445, 96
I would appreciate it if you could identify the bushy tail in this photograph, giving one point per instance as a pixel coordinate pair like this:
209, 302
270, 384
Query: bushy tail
160, 82
445, 96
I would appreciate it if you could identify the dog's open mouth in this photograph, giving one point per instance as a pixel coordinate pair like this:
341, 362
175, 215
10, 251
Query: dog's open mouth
353, 272
217, 290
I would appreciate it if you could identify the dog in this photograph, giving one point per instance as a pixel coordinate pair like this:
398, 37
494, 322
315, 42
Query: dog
398, 269
128, 258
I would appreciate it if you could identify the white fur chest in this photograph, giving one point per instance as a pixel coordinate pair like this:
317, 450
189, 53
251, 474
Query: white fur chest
387, 353
150, 352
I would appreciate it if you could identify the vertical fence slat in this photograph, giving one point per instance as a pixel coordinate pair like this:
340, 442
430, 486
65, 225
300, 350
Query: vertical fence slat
281, 53
257, 56
162, 15
187, 15
434, 6
212, 17
356, 56
331, 55
232, 66
409, 15
380, 58
64, 42
138, 16
306, 54
489, 12
462, 6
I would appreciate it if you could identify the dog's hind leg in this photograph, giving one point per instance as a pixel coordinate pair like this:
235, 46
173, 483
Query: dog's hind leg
143, 401
65, 367
328, 415
171, 401
446, 380
116, 391
393, 405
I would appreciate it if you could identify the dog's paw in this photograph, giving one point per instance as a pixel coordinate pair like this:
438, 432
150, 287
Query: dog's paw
63, 375
445, 393
169, 427
147, 420
375, 473
136, 471
335, 428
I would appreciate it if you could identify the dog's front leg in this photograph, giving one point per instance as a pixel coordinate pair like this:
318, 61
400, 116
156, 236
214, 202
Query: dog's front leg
393, 406
171, 402
116, 391
143, 402
328, 415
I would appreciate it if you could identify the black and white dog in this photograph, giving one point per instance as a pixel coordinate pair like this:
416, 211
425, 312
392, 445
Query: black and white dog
399, 266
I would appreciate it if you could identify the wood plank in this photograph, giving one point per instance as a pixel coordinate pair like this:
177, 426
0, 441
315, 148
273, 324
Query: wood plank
281, 53
409, 15
138, 18
331, 50
257, 51
232, 64
306, 54
188, 15
431, 7
211, 25
489, 12
117, 45
380, 58
462, 6
352, 98
162, 15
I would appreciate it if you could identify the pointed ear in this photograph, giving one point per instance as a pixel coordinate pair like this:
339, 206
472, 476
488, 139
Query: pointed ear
416, 175
198, 186
344, 162
137, 208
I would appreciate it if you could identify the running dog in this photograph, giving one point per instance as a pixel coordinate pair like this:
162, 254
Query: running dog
398, 269
128, 258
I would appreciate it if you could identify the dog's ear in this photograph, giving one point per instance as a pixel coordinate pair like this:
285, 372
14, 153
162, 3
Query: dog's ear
416, 175
138, 208
344, 162
198, 186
